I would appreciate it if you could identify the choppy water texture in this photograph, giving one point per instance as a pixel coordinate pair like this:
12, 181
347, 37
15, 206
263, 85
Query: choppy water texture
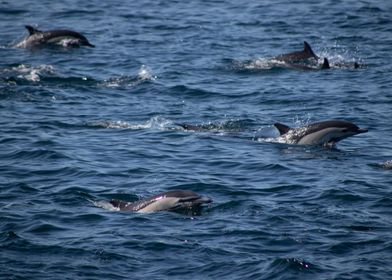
86, 124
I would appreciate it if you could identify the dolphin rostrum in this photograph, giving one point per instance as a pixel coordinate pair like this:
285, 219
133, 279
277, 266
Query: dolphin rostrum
62, 37
325, 133
168, 201
305, 54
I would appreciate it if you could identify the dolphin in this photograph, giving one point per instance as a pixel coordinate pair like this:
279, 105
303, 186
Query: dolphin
305, 54
167, 201
192, 127
326, 133
38, 38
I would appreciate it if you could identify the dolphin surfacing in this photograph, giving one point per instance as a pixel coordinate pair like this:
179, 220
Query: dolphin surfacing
168, 201
326, 133
62, 37
305, 54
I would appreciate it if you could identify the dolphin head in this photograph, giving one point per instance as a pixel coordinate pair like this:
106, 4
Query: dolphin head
187, 199
330, 132
85, 42
177, 200
342, 130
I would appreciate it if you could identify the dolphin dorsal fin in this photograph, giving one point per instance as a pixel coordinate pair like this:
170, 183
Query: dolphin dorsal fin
308, 49
32, 30
325, 64
283, 129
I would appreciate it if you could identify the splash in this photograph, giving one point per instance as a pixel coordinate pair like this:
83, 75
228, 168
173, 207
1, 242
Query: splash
153, 123
144, 75
341, 57
287, 138
28, 72
252, 65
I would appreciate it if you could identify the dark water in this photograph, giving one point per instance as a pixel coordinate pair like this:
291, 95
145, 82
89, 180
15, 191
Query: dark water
84, 124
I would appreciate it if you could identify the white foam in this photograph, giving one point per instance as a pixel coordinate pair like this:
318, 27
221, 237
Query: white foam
387, 164
144, 74
155, 122
28, 72
260, 64
105, 205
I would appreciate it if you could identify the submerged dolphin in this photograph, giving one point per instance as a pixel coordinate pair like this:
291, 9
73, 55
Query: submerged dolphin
325, 65
167, 201
63, 37
305, 54
192, 127
325, 133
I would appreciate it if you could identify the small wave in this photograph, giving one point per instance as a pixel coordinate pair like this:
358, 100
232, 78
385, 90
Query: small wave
286, 266
35, 154
11, 11
45, 228
144, 75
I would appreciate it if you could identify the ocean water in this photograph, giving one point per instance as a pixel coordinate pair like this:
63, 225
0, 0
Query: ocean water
86, 124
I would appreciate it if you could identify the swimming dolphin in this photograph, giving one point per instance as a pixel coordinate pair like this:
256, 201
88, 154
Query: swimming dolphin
167, 201
192, 127
305, 54
326, 133
63, 37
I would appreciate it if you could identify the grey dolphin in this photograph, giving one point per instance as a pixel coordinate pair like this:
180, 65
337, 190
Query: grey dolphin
325, 133
167, 201
64, 37
306, 53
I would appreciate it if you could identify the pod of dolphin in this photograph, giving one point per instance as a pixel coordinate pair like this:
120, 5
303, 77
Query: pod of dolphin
325, 133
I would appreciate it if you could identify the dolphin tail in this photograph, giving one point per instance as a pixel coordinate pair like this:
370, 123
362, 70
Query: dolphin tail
283, 129
32, 30
325, 64
308, 49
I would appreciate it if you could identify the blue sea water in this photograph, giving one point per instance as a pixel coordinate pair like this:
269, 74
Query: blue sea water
85, 124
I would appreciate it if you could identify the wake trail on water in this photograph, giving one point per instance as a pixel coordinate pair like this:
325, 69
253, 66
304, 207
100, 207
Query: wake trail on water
43, 74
